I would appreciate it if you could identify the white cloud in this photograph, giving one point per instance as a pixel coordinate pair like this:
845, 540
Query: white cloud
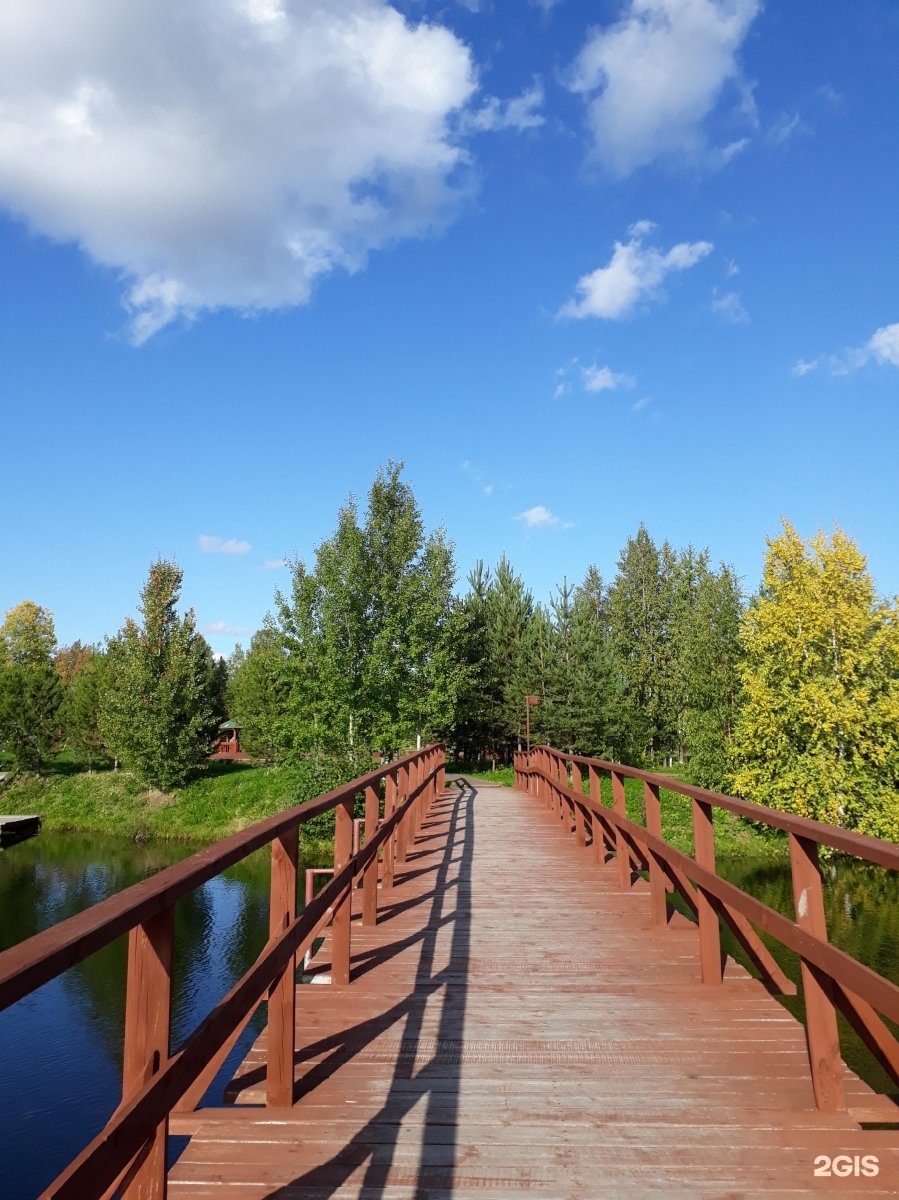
212, 544
785, 128
540, 517
729, 306
801, 367
651, 79
731, 269
603, 379
882, 346
520, 113
228, 153
225, 629
275, 564
634, 273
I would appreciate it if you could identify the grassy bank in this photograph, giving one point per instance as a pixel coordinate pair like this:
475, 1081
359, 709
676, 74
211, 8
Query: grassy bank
734, 837
225, 798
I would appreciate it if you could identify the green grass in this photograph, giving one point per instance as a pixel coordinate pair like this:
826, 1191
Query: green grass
225, 798
504, 776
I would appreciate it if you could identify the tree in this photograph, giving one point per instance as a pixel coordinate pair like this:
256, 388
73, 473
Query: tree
711, 656
30, 690
81, 706
637, 612
818, 732
368, 634
158, 708
258, 693
27, 635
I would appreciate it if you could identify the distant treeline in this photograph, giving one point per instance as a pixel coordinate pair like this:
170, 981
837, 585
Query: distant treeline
791, 698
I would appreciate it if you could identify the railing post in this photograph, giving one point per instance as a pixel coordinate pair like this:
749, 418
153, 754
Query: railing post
343, 909
148, 1003
580, 828
370, 874
282, 993
658, 901
599, 833
402, 833
441, 770
709, 929
821, 1030
390, 844
624, 862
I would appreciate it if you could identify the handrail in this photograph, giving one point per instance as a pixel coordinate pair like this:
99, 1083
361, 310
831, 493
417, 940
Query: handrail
130, 1152
831, 978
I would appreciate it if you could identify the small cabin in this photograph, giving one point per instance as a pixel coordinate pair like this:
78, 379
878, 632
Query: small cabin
228, 744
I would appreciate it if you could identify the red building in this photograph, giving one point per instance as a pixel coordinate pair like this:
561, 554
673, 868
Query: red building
228, 744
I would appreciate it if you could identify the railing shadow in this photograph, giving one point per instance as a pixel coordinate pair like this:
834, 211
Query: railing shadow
437, 1081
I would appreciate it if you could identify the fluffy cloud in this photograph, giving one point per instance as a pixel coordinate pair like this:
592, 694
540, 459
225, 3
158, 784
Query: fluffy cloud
520, 113
603, 379
882, 346
225, 629
211, 544
729, 307
540, 517
651, 79
634, 273
227, 153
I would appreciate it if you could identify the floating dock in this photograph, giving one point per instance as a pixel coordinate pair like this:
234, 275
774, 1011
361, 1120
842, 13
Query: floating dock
17, 829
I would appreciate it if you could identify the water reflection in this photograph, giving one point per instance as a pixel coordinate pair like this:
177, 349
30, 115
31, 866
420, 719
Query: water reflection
62, 1046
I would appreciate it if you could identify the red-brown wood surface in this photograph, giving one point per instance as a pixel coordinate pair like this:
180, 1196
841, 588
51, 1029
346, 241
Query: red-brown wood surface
515, 1022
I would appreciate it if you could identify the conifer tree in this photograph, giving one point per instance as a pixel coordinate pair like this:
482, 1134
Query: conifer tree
81, 706
818, 732
158, 712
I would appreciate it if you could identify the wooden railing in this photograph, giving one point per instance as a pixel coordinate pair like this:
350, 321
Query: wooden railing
831, 979
130, 1152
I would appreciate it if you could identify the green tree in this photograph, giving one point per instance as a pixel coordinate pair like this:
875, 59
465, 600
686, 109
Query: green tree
637, 619
81, 706
158, 707
258, 694
711, 654
368, 634
30, 688
818, 732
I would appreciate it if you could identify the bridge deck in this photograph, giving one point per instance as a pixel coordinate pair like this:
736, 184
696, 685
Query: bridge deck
515, 1025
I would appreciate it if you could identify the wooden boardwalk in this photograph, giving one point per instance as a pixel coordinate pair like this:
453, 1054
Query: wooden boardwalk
515, 1025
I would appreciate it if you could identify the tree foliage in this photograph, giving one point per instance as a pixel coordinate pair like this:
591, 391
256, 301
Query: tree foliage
30, 689
158, 710
818, 731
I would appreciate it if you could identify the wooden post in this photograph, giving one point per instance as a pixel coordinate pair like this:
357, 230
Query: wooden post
599, 836
148, 1004
657, 892
402, 833
282, 993
709, 929
390, 844
370, 874
821, 1030
580, 828
624, 862
341, 923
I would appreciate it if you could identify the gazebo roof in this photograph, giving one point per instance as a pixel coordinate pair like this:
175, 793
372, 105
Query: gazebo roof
229, 725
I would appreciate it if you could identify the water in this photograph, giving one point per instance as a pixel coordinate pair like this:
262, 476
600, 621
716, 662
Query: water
61, 1047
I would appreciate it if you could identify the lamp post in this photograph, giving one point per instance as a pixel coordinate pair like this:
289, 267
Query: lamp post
528, 701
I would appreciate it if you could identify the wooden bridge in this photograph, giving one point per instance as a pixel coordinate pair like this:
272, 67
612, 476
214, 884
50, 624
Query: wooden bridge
510, 1004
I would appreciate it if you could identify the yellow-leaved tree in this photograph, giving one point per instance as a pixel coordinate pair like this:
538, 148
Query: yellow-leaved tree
818, 731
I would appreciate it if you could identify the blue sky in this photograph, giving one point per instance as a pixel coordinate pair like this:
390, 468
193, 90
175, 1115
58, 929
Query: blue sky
580, 265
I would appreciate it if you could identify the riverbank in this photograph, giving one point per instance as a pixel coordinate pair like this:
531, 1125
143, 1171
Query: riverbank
224, 799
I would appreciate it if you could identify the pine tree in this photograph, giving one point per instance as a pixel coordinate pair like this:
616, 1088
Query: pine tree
818, 733
158, 711
81, 706
258, 694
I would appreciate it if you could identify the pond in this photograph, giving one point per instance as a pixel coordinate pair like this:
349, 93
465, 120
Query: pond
61, 1047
